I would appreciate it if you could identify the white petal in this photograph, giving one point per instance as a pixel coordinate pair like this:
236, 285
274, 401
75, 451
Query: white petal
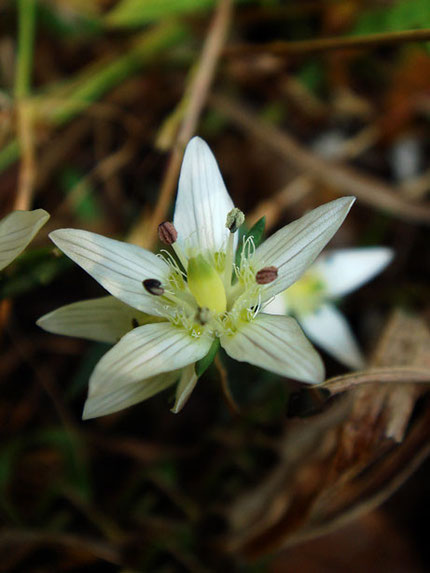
17, 230
119, 267
328, 328
203, 202
278, 344
294, 247
145, 352
345, 270
277, 305
126, 395
186, 385
104, 319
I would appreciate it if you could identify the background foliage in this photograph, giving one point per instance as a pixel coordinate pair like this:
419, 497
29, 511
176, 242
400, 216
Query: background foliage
300, 104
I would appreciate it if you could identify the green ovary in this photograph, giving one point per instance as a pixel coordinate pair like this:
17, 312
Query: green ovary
206, 285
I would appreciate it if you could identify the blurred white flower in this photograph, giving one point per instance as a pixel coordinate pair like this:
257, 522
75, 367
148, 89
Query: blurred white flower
310, 299
196, 300
17, 230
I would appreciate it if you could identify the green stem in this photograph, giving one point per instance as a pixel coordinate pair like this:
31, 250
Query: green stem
59, 106
26, 28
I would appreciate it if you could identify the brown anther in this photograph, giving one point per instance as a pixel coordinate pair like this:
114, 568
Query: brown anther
167, 233
134, 323
153, 286
266, 275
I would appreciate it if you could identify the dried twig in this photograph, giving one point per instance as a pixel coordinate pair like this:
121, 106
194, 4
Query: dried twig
407, 375
100, 549
24, 109
274, 207
328, 44
343, 179
198, 93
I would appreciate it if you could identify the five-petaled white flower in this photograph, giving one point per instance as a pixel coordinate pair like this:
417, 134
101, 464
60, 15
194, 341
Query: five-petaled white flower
310, 299
176, 308
16, 231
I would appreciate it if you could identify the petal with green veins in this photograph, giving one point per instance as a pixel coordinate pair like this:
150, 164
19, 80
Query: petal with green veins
17, 230
145, 352
328, 328
104, 319
293, 248
345, 270
203, 203
278, 344
125, 395
119, 267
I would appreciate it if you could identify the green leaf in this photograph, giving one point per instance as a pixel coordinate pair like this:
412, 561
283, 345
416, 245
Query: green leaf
402, 15
203, 364
72, 448
132, 13
257, 232
85, 205
78, 26
32, 269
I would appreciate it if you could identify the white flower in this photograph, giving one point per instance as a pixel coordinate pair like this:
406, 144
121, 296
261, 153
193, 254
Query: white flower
310, 299
203, 298
16, 231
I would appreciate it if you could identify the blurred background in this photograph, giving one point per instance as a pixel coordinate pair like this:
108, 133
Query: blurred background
301, 101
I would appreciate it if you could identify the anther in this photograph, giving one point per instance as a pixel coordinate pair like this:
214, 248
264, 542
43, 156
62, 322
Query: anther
134, 322
235, 219
266, 275
167, 233
153, 286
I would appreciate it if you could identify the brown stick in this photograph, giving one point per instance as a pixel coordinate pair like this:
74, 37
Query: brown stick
199, 90
281, 48
27, 172
406, 375
344, 180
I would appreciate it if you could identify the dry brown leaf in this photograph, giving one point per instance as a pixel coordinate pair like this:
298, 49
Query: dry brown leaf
348, 459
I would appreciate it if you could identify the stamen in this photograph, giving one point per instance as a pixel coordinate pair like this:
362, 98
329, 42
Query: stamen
153, 286
266, 275
170, 260
167, 233
180, 254
235, 219
180, 301
134, 323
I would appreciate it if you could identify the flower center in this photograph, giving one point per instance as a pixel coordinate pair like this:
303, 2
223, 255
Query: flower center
206, 285
306, 295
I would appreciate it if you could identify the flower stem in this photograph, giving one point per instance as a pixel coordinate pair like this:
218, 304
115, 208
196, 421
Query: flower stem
228, 396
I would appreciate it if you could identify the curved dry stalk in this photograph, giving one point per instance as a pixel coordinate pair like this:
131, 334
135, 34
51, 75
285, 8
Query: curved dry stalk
281, 48
342, 179
399, 375
197, 93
